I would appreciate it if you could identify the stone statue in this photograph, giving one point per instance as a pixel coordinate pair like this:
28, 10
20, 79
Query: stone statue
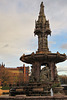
45, 74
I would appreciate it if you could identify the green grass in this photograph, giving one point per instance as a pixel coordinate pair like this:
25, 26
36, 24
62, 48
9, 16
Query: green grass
5, 88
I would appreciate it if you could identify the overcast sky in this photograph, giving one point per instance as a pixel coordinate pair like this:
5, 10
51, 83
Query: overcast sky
17, 23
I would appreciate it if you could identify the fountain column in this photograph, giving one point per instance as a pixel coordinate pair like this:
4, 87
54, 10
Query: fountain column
36, 71
52, 68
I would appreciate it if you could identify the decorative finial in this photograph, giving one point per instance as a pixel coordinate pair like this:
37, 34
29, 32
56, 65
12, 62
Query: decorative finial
42, 3
41, 9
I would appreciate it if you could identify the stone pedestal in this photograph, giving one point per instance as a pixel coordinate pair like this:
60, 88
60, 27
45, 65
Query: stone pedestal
32, 89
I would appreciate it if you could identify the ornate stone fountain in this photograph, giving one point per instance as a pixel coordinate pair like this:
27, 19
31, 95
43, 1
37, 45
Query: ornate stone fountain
43, 56
41, 79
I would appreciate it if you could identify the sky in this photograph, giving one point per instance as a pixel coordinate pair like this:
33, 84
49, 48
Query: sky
17, 24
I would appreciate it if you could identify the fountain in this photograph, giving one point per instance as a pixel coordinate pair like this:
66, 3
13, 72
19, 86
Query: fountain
41, 79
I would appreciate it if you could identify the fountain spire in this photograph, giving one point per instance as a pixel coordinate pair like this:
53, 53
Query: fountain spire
41, 17
42, 30
41, 9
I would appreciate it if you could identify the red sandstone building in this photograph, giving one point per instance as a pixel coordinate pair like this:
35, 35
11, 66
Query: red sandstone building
16, 76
